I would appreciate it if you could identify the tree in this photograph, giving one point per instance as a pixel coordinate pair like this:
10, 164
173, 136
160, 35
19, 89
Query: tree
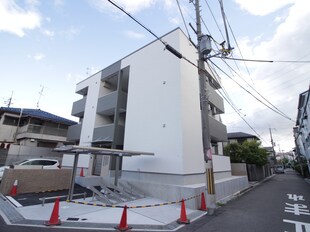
285, 161
234, 151
249, 152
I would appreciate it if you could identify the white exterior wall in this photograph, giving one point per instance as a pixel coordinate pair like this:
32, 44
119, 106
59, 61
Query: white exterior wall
163, 113
93, 84
191, 115
89, 120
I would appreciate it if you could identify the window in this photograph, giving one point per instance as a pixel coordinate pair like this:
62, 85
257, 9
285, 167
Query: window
47, 162
63, 126
35, 162
36, 121
9, 120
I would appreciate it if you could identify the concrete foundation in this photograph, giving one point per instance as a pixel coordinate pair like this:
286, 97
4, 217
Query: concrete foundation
225, 188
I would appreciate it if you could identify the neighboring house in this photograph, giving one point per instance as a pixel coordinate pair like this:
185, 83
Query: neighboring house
149, 101
254, 172
301, 131
240, 137
30, 133
272, 160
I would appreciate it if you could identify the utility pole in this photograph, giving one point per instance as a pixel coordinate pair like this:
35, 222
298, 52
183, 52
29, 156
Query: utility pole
273, 151
204, 105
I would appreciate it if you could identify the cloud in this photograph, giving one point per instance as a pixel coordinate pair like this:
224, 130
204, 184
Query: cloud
48, 33
278, 19
59, 3
134, 35
15, 20
70, 33
262, 7
132, 6
75, 78
279, 83
39, 56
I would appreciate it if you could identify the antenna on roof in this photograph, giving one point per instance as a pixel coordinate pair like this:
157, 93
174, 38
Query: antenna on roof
9, 101
40, 95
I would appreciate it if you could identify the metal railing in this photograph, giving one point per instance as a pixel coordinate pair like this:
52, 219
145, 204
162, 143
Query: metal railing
37, 129
43, 199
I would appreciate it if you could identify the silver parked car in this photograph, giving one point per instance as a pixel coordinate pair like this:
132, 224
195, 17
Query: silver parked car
279, 169
44, 163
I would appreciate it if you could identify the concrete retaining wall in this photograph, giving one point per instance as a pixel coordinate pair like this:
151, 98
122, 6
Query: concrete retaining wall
3, 155
238, 169
35, 180
225, 189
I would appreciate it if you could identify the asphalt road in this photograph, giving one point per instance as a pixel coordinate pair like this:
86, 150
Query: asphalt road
282, 203
267, 207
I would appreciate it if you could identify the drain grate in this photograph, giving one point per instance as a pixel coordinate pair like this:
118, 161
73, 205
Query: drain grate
72, 219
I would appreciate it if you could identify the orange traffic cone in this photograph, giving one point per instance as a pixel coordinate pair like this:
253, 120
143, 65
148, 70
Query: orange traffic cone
123, 226
82, 173
54, 219
13, 192
203, 205
183, 218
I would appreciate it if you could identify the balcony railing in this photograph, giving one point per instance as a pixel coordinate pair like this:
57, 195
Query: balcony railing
78, 107
74, 132
218, 131
106, 104
46, 130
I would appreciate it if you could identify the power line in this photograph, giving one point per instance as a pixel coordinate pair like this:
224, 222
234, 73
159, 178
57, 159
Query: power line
216, 43
183, 19
250, 92
233, 106
133, 18
283, 69
215, 20
229, 48
180, 56
258, 92
237, 45
231, 103
265, 61
223, 35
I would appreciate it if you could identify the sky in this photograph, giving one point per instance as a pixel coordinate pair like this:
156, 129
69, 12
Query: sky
48, 46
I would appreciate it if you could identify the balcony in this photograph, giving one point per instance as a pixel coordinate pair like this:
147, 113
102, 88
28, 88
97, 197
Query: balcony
107, 104
216, 100
42, 132
74, 132
105, 134
218, 131
78, 108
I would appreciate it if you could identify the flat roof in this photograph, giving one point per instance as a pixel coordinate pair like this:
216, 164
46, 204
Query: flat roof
74, 149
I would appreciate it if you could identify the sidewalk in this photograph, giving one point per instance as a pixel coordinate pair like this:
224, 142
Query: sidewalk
159, 218
142, 215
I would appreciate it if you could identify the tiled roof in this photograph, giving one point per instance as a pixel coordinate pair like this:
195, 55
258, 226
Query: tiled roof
37, 113
239, 135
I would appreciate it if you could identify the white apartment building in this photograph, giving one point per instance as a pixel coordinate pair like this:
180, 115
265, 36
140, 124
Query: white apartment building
149, 101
